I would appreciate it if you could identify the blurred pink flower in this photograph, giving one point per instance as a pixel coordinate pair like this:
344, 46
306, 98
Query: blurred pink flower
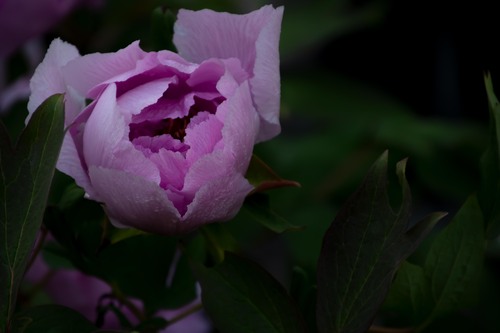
75, 290
84, 294
167, 139
20, 20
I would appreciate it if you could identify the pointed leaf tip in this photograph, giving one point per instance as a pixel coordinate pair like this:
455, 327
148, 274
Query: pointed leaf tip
361, 251
263, 178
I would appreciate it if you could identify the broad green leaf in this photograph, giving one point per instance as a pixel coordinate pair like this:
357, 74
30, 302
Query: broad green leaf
410, 296
259, 208
51, 319
240, 296
450, 274
455, 260
489, 194
264, 178
361, 251
26, 171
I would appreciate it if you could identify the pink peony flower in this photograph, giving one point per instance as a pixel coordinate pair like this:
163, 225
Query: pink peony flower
167, 138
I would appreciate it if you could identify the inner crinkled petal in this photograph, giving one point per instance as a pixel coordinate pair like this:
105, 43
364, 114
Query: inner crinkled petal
135, 100
172, 167
202, 135
152, 144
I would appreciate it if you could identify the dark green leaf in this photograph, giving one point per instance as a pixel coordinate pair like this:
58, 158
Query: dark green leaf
259, 208
26, 172
410, 296
264, 178
51, 319
241, 297
455, 260
489, 194
361, 251
218, 240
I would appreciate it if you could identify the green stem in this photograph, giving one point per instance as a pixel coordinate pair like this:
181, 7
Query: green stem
189, 311
131, 306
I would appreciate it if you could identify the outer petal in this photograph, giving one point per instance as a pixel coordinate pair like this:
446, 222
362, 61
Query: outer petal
48, 80
253, 38
88, 71
69, 162
217, 179
106, 143
132, 201
241, 126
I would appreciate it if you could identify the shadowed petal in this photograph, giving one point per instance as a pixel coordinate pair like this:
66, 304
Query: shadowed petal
218, 200
132, 201
69, 162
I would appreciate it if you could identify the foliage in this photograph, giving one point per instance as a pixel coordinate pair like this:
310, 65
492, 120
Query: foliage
328, 241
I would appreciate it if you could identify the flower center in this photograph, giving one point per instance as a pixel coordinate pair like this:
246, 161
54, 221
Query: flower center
175, 127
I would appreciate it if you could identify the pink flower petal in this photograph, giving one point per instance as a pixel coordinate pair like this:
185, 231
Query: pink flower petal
172, 166
48, 80
252, 38
217, 179
265, 84
133, 101
69, 162
241, 125
106, 142
217, 200
90, 70
202, 138
134, 202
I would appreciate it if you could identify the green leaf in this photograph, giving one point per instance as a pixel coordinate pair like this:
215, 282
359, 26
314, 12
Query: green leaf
259, 208
455, 260
218, 240
51, 319
489, 193
264, 178
410, 295
361, 251
26, 173
242, 297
